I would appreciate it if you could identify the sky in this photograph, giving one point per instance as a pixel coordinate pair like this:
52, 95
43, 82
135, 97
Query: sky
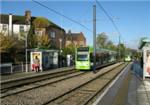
131, 17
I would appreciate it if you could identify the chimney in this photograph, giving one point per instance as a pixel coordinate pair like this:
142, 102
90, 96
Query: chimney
69, 32
10, 29
27, 17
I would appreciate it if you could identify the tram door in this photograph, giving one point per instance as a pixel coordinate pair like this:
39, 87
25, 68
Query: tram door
146, 59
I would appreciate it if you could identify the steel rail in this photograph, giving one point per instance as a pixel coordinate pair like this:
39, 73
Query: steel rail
80, 86
38, 86
100, 90
31, 79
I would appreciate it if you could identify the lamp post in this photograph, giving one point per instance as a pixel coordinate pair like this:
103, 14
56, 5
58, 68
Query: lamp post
26, 46
60, 41
28, 22
60, 46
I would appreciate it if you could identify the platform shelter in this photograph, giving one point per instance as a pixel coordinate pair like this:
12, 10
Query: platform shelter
145, 47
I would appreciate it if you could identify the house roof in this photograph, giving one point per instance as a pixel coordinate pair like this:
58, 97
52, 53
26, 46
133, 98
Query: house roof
17, 19
75, 36
144, 42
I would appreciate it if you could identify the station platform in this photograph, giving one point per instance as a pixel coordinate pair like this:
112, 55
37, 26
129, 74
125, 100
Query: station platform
139, 90
127, 89
21, 75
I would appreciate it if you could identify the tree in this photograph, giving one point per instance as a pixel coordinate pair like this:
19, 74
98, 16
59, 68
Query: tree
70, 49
41, 22
101, 40
6, 42
121, 49
136, 54
40, 41
43, 42
11, 46
32, 40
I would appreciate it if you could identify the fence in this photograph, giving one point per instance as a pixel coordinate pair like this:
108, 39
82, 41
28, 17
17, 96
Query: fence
8, 68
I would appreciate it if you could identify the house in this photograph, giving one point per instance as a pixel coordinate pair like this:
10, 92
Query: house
55, 33
19, 26
78, 39
13, 25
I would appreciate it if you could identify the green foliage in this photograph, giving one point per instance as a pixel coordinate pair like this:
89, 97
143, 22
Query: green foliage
122, 49
12, 46
32, 42
111, 46
102, 40
70, 49
43, 41
6, 42
41, 22
136, 54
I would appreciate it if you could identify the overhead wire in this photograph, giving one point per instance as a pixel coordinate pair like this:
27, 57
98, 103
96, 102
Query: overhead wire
109, 17
60, 14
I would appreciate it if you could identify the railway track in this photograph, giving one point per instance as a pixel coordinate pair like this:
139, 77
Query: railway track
49, 90
23, 84
60, 76
7, 84
84, 93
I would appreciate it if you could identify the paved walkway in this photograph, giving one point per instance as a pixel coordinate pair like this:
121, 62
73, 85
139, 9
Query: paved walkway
139, 90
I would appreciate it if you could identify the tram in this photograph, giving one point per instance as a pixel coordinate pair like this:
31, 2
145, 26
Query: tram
127, 58
84, 57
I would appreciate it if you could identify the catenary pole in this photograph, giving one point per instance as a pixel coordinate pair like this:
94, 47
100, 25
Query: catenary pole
94, 37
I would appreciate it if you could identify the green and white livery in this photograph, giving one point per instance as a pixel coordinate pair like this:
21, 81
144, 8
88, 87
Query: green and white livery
82, 58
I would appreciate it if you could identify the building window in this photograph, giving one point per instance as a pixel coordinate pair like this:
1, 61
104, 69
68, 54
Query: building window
39, 32
52, 34
4, 27
21, 28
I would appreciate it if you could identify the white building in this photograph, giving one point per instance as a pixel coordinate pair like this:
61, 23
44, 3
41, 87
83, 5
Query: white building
13, 25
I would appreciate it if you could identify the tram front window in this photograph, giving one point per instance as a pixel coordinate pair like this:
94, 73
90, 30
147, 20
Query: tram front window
82, 57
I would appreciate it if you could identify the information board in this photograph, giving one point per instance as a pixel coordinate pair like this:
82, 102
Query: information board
38, 56
146, 59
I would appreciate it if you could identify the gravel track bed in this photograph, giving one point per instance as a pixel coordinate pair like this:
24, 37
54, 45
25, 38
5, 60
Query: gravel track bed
38, 84
79, 96
8, 84
39, 96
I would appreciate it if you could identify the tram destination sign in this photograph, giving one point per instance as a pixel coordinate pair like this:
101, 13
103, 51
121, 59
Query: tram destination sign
83, 49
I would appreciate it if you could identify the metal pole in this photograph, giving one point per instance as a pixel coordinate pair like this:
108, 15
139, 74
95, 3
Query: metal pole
26, 46
60, 41
22, 66
94, 37
119, 55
